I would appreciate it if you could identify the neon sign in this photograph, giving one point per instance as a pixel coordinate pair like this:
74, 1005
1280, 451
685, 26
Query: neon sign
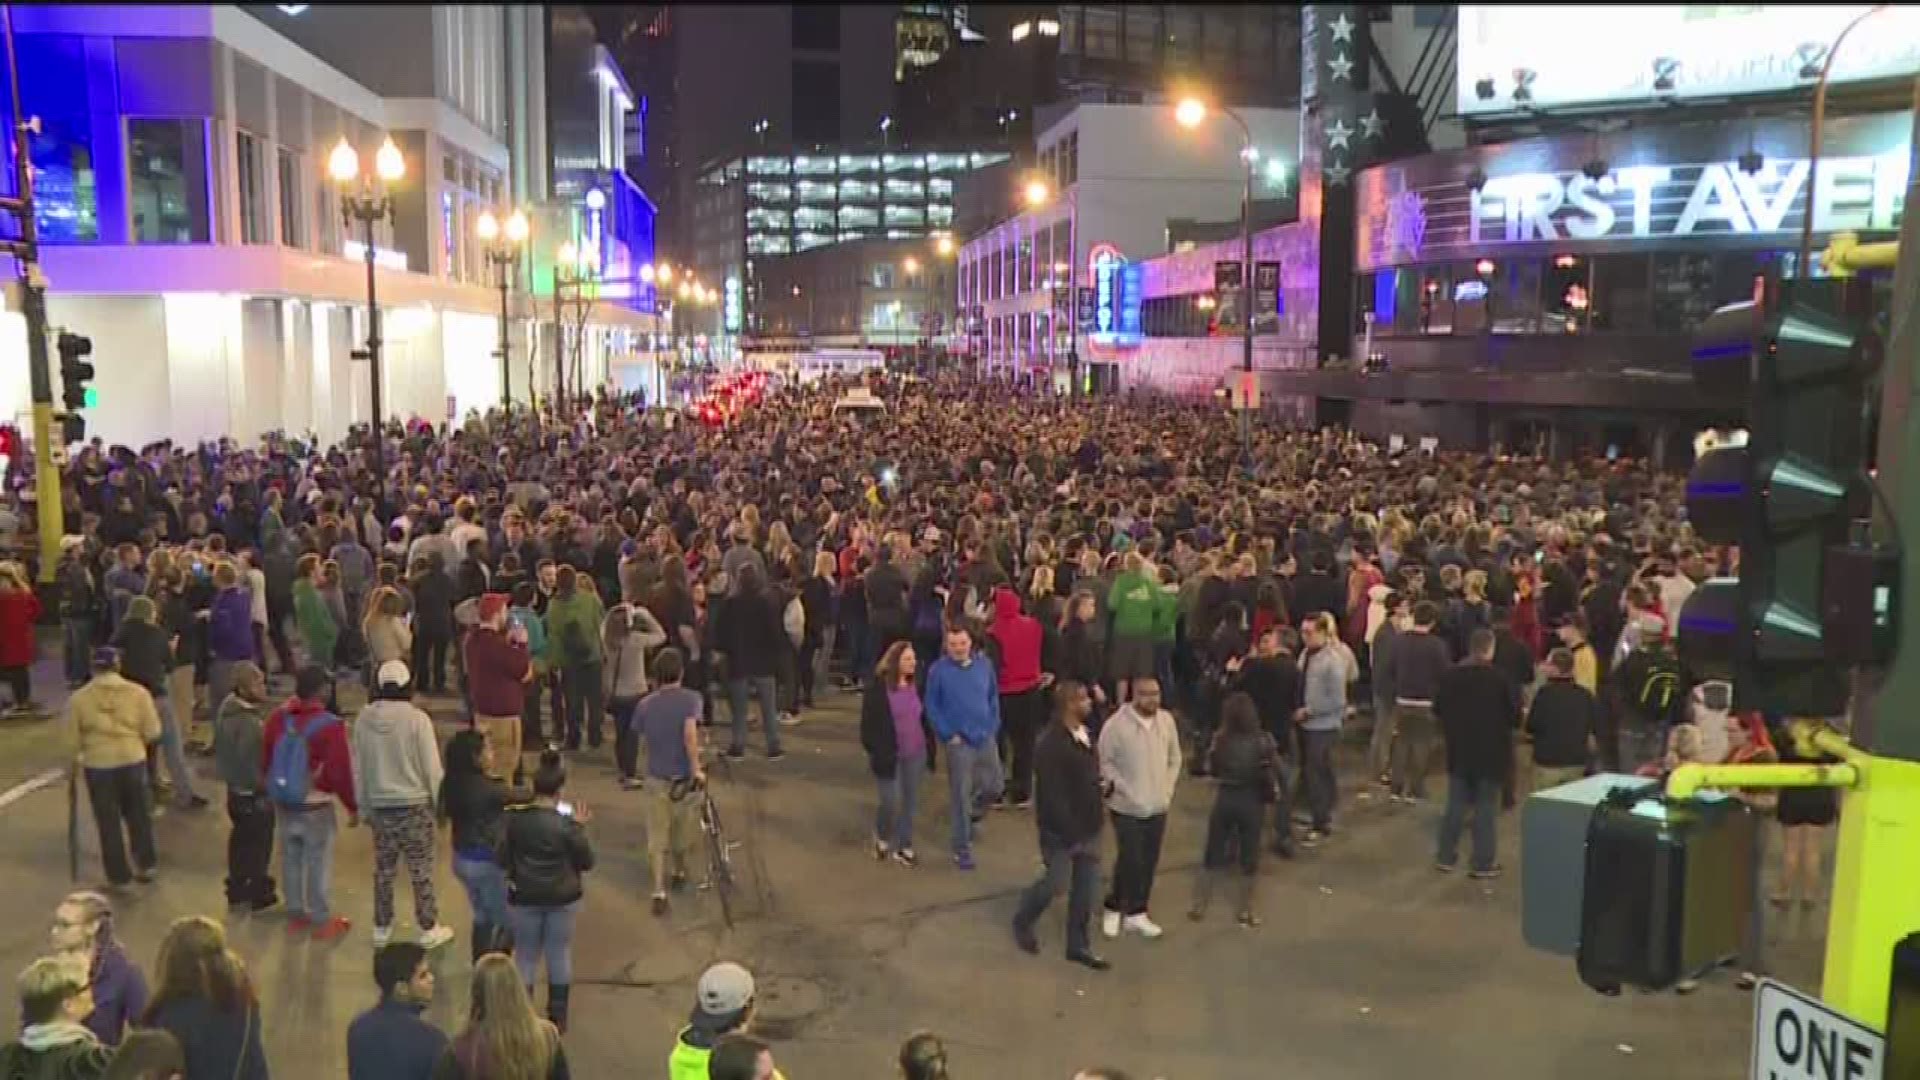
1116, 302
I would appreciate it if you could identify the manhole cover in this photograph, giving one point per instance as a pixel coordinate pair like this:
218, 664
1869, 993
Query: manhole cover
786, 1005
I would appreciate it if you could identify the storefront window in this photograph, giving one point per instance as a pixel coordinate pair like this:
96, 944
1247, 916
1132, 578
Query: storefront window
1620, 298
1514, 296
167, 181
1683, 290
1567, 296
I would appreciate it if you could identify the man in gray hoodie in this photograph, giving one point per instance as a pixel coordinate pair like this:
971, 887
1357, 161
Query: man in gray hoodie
1140, 758
239, 724
1324, 689
396, 773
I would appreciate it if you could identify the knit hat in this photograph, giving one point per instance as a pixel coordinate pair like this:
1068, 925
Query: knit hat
491, 606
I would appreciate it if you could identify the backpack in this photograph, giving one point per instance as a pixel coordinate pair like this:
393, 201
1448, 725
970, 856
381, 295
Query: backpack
290, 776
1659, 686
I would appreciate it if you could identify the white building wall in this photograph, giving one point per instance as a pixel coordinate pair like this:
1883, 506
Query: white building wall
136, 394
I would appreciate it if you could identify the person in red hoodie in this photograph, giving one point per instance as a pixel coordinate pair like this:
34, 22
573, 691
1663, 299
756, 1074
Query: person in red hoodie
305, 821
1023, 705
498, 672
18, 610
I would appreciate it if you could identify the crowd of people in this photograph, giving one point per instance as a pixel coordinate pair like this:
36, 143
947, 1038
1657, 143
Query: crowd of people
1070, 605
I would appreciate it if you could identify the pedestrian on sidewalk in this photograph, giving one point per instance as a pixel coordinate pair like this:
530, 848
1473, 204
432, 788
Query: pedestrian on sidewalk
748, 633
83, 928
239, 734
80, 600
574, 617
229, 638
55, 1000
963, 708
1140, 758
1563, 721
393, 1040
1420, 662
146, 656
668, 722
396, 776
499, 676
206, 1000
545, 853
1023, 686
1324, 693
310, 612
723, 1003
303, 783
475, 802
1478, 711
1246, 767
19, 610
1069, 792
629, 633
114, 721
504, 1036
900, 744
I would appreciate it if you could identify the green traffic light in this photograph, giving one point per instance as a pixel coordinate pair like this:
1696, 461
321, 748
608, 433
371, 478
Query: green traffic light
92, 397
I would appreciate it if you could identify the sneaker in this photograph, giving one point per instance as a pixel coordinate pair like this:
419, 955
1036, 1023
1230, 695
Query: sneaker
1443, 867
1145, 927
776, 755
436, 937
1021, 804
963, 860
144, 876
881, 850
1023, 937
265, 903
1110, 923
333, 928
906, 858
1488, 874
660, 904
631, 783
299, 924
791, 719
382, 935
736, 752
1313, 838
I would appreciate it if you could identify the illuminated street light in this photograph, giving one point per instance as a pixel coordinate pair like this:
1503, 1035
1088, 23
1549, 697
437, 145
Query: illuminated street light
388, 162
368, 202
568, 255
943, 244
646, 273
912, 266
1191, 112
1037, 192
1276, 171
488, 227
518, 227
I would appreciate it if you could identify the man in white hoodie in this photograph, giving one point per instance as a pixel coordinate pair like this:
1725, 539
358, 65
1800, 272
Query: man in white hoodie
396, 774
1140, 758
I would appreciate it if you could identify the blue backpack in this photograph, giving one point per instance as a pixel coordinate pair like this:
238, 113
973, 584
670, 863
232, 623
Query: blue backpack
290, 776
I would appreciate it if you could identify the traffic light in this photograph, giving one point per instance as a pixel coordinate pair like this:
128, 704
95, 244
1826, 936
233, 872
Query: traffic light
75, 372
1788, 495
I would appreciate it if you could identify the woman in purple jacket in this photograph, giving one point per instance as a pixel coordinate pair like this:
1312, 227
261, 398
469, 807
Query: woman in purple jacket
229, 633
83, 925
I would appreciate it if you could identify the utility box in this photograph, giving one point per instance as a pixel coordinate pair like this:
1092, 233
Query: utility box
1668, 888
1553, 858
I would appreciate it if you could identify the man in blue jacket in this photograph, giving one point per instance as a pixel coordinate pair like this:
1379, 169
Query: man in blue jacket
963, 706
392, 1041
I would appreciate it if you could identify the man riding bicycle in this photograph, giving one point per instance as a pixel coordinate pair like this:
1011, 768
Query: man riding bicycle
668, 723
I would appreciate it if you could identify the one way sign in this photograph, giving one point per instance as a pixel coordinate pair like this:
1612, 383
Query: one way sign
1796, 1037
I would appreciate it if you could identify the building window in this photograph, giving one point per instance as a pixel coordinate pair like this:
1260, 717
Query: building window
326, 215
1143, 33
253, 190
167, 181
1069, 29
1182, 34
1103, 33
1621, 298
293, 224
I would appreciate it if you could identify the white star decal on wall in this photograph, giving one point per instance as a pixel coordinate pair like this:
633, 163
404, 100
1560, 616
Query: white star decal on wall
1370, 124
1336, 173
1340, 66
1341, 28
1338, 135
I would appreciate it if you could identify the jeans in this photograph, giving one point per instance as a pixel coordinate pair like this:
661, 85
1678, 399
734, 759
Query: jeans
899, 796
1233, 829
1021, 717
974, 782
626, 738
1317, 785
174, 750
1135, 862
486, 886
585, 703
306, 858
1380, 745
1413, 742
1075, 868
78, 649
737, 708
808, 672
249, 849
823, 657
1482, 795
543, 932
122, 810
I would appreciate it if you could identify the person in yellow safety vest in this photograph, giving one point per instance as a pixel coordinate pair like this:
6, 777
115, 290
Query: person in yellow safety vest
722, 1005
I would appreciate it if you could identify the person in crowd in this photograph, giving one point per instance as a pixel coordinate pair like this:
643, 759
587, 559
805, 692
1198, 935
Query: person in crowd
1134, 602
819, 601
742, 1057
963, 709
229, 637
19, 610
1572, 635
1805, 816
545, 852
573, 622
80, 601
1562, 721
1271, 679
1082, 654
628, 636
205, 999
1323, 680
923, 1057
528, 622
1140, 759
126, 579
667, 721
303, 783
393, 1040
1017, 638
1246, 770
499, 665
114, 721
312, 615
433, 622
1070, 790
148, 1054
83, 929
505, 1039
239, 735
385, 628
1478, 711
1644, 696
56, 998
396, 776
1420, 661
146, 656
900, 743
722, 1005
748, 635
473, 800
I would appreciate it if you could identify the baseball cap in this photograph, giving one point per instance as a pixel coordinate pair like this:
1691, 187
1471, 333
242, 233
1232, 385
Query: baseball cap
724, 991
393, 673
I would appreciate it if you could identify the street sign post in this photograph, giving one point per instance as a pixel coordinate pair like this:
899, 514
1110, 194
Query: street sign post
1797, 1037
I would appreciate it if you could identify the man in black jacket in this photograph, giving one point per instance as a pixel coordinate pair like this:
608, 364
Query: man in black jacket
1272, 679
1069, 803
1562, 721
1476, 707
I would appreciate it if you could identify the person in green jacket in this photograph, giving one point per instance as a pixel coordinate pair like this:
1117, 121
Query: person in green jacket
1134, 602
573, 644
312, 614
1166, 620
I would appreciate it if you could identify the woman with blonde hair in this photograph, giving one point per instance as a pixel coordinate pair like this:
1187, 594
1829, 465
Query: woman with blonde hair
504, 1039
205, 1000
387, 633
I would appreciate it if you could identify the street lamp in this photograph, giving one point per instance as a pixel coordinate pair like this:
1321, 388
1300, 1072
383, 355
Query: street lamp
367, 200
1191, 113
503, 247
1037, 193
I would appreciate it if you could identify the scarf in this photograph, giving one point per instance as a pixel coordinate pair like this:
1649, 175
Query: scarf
54, 1033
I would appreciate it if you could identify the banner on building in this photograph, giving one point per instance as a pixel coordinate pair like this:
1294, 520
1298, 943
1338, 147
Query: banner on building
1228, 310
1084, 315
1266, 297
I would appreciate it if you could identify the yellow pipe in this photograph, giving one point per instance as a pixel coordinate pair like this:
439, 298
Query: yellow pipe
1846, 255
1690, 778
46, 486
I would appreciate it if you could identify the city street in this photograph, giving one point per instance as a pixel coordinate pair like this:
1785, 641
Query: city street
1369, 964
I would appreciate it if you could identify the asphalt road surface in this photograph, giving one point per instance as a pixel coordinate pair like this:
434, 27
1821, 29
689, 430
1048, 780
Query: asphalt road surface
1370, 964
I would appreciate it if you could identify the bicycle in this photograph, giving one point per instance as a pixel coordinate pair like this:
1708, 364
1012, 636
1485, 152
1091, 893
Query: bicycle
719, 848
